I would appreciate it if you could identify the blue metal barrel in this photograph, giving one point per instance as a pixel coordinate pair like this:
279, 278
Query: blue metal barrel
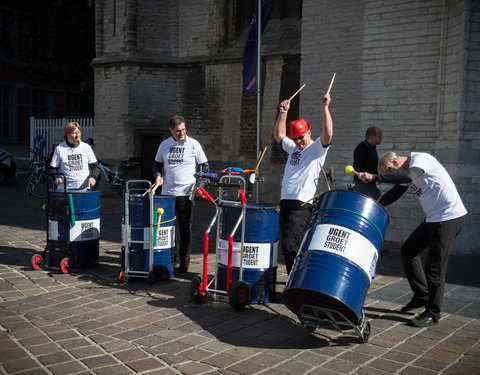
80, 230
260, 253
163, 238
338, 255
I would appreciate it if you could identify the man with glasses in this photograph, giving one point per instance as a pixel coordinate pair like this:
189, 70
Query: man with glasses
304, 163
174, 167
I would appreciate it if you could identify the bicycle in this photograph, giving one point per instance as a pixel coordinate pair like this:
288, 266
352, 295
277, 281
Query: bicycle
37, 180
37, 175
112, 175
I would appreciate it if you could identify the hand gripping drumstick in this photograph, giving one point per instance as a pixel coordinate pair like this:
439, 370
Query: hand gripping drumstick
300, 89
349, 169
331, 83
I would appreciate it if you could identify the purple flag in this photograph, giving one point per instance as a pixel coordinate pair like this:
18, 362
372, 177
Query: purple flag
249, 60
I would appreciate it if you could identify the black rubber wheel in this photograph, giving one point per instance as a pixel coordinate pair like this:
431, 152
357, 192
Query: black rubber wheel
239, 295
151, 277
37, 184
195, 294
37, 261
366, 333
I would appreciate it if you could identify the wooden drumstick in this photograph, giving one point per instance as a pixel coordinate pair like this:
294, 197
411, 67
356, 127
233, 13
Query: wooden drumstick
349, 169
331, 83
260, 159
300, 89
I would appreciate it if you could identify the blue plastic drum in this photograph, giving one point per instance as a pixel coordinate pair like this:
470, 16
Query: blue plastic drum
338, 256
260, 253
80, 230
163, 236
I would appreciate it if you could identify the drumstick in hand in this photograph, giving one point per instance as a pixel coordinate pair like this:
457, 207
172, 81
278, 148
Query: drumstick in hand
349, 169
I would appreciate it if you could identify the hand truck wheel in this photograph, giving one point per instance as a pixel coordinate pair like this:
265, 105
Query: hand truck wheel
239, 295
65, 265
195, 294
366, 333
121, 277
151, 277
37, 261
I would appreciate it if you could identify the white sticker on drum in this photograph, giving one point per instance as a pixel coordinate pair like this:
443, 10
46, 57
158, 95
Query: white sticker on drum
85, 230
255, 255
346, 243
165, 237
53, 234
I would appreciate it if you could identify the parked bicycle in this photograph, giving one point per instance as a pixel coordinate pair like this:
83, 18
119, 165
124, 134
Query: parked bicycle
36, 184
112, 176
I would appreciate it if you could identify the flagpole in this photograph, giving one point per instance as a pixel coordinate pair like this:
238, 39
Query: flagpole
259, 70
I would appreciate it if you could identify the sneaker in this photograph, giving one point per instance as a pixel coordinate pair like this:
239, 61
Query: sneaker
425, 319
414, 303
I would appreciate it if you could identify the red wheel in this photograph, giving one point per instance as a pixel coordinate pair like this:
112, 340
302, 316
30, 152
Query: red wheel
37, 261
121, 277
65, 265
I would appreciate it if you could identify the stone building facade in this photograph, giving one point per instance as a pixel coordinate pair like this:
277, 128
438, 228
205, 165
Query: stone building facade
409, 67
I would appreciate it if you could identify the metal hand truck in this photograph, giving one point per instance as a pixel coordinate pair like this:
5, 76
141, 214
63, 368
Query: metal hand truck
140, 188
57, 254
313, 317
201, 286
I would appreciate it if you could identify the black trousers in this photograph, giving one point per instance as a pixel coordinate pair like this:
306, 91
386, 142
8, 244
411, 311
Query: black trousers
429, 280
293, 222
183, 229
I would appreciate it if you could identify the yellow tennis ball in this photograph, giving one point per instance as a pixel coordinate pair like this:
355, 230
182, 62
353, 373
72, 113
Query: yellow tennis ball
160, 211
349, 169
44, 207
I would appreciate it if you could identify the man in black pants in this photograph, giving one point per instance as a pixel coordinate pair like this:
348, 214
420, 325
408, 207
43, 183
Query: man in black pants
174, 167
445, 213
305, 159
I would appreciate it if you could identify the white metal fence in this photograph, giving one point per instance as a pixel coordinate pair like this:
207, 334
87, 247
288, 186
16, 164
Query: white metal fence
45, 134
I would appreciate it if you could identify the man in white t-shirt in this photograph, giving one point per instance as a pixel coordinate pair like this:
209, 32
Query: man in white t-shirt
75, 159
444, 212
305, 160
174, 167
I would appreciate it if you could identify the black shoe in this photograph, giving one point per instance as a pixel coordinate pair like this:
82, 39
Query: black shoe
183, 268
414, 303
425, 319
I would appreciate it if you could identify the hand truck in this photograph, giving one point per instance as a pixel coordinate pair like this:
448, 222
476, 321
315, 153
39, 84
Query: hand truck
313, 317
132, 254
57, 254
138, 187
201, 286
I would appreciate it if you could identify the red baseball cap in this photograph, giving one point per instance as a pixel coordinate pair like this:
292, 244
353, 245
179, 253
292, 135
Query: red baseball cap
298, 128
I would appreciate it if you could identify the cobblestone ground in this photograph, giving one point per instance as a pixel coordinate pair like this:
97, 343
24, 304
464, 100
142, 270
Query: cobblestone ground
87, 323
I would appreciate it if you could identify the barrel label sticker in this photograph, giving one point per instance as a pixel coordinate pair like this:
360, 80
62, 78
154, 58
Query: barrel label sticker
53, 234
85, 230
344, 242
163, 238
255, 255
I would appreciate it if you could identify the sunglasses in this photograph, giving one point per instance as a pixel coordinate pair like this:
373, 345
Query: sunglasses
299, 138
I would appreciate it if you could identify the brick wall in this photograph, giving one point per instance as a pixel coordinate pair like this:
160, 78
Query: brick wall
409, 67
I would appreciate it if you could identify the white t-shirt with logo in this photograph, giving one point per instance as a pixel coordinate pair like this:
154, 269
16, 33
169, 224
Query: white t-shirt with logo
435, 190
302, 168
179, 162
73, 162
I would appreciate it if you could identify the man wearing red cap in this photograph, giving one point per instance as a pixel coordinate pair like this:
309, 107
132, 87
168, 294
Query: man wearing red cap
305, 159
